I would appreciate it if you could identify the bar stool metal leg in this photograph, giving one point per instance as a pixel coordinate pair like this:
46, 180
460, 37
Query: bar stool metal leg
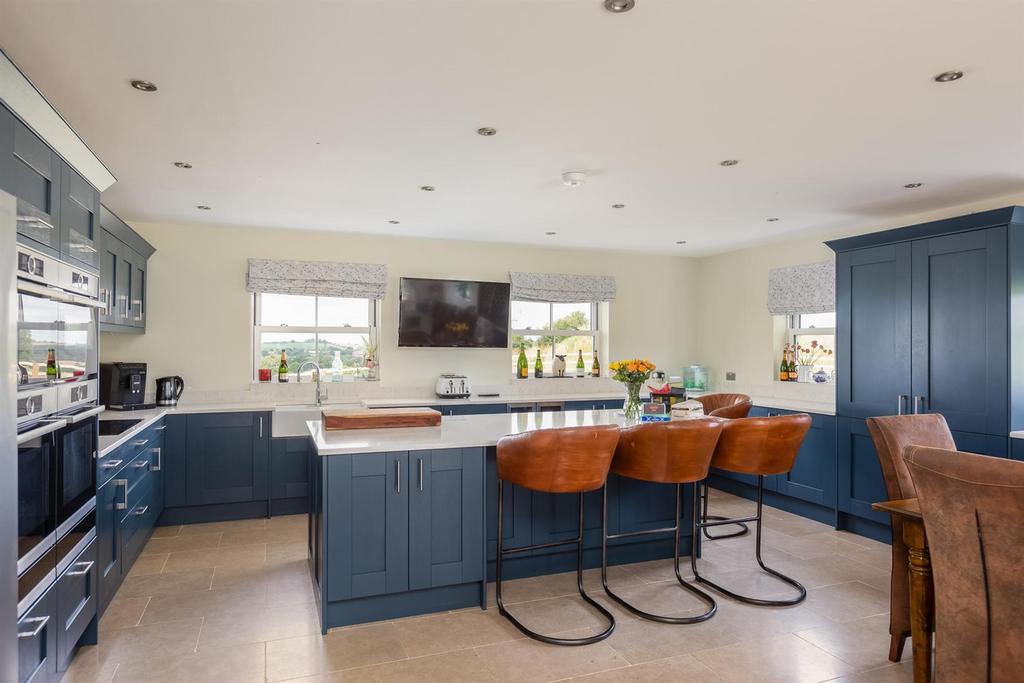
704, 597
744, 529
757, 550
502, 551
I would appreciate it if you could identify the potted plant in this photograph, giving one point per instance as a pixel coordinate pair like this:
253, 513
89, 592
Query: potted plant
633, 373
370, 358
806, 356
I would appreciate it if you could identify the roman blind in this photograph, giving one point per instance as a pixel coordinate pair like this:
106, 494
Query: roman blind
562, 288
809, 288
321, 278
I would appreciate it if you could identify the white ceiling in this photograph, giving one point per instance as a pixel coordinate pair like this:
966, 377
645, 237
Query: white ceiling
330, 115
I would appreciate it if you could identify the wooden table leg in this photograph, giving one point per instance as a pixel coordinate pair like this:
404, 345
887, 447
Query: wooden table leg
922, 599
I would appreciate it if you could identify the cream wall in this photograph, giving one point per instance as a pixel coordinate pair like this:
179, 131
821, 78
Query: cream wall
735, 332
199, 314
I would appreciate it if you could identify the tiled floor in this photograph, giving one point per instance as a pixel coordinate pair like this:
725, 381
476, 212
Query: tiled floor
232, 602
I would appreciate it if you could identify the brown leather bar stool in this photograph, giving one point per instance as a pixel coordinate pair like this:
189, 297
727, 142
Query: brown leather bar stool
666, 453
761, 446
567, 460
731, 407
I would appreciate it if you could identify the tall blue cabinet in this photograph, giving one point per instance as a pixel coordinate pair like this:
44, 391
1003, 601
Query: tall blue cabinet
924, 324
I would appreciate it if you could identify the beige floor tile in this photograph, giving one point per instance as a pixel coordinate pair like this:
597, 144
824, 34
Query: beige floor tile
863, 643
237, 665
86, 667
525, 661
143, 642
554, 615
781, 659
224, 527
893, 673
149, 564
847, 601
123, 613
168, 582
681, 669
465, 666
264, 624
290, 592
667, 598
175, 544
230, 556
191, 605
166, 531
816, 545
261, 574
283, 553
285, 534
639, 640
454, 631
881, 581
341, 649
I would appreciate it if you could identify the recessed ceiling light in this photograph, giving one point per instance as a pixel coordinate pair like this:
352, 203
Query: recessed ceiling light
619, 6
574, 178
427, 188
394, 222
144, 86
550, 232
913, 186
729, 162
949, 76
182, 164
772, 219
680, 241
203, 207
486, 131
618, 206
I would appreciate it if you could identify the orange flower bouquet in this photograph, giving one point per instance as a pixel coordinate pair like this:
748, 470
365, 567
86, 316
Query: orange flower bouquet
633, 373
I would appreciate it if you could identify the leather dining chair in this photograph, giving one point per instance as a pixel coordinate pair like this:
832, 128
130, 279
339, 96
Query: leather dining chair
891, 435
730, 407
566, 460
972, 507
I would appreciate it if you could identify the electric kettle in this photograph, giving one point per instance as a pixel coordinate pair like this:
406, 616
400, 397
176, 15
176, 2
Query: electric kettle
168, 390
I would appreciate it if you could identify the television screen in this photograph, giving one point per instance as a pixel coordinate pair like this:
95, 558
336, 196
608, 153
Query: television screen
453, 313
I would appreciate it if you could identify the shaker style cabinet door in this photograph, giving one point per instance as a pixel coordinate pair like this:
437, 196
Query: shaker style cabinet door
79, 218
34, 173
873, 323
109, 264
960, 319
446, 516
111, 502
228, 457
813, 477
860, 474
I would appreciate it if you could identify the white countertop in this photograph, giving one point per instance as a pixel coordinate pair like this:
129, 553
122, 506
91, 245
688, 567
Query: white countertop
501, 398
1017, 435
461, 431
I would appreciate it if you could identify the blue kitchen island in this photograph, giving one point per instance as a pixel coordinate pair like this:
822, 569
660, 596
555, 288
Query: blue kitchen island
404, 521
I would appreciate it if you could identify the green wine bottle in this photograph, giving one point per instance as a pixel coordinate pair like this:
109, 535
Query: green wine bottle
282, 369
581, 369
51, 365
595, 367
538, 367
522, 366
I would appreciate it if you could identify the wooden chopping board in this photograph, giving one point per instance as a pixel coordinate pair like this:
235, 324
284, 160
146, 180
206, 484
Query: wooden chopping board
381, 418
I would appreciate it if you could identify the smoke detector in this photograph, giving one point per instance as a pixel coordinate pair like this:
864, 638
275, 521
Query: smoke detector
574, 178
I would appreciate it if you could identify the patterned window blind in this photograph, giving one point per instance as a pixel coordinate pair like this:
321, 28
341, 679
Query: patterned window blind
320, 278
561, 288
809, 288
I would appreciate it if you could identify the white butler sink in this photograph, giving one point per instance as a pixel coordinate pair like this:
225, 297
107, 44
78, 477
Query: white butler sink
290, 420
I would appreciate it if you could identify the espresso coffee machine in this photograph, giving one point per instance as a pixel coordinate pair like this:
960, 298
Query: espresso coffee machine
123, 386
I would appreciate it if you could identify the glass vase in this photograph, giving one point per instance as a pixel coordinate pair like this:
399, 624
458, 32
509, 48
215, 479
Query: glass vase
632, 408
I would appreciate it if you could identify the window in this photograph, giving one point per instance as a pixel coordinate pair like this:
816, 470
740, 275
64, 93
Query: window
555, 329
338, 333
807, 328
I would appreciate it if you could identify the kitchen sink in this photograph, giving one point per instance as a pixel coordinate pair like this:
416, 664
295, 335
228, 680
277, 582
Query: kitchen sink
290, 420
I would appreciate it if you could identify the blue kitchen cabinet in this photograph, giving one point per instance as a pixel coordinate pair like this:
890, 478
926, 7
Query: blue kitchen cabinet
6, 150
227, 457
109, 513
446, 517
175, 464
554, 517
644, 505
367, 525
37, 641
581, 405
77, 604
517, 525
813, 477
474, 409
289, 475
34, 178
859, 475
79, 218
1017, 449
984, 444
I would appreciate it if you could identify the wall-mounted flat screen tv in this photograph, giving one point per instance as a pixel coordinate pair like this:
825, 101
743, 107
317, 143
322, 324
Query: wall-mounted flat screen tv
453, 313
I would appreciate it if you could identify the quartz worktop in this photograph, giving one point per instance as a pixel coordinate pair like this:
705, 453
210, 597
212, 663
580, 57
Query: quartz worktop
477, 399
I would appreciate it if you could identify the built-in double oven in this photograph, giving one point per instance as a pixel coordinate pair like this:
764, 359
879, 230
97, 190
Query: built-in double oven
57, 417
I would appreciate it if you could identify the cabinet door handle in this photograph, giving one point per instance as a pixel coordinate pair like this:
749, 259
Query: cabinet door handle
138, 512
419, 461
85, 567
899, 403
40, 622
139, 464
919, 402
398, 476
160, 428
105, 298
111, 464
158, 452
123, 505
140, 442
261, 427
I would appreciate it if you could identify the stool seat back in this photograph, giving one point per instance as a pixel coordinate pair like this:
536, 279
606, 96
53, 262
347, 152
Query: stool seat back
761, 445
566, 460
677, 452
729, 406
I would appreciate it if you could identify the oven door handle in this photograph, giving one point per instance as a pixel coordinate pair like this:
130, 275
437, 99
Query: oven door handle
41, 431
85, 414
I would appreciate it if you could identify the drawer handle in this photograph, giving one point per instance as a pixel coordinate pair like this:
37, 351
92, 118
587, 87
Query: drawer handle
140, 442
111, 464
160, 428
41, 624
139, 464
86, 567
138, 512
123, 505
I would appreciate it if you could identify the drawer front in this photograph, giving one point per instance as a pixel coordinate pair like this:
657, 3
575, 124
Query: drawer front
76, 602
136, 525
37, 641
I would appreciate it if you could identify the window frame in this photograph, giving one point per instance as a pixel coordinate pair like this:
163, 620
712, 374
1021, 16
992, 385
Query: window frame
793, 328
550, 331
258, 328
